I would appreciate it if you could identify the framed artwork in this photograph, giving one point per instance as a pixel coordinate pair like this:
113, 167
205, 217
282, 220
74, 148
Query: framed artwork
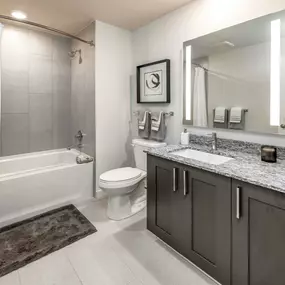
153, 82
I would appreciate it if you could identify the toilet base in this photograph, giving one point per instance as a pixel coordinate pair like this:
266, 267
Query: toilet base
124, 206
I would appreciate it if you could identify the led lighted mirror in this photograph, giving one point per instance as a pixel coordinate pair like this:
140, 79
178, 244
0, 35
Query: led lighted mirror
275, 73
188, 91
234, 79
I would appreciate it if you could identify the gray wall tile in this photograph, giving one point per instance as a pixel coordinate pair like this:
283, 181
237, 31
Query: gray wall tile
61, 120
14, 41
40, 43
36, 91
40, 119
61, 48
15, 97
40, 74
15, 134
15, 62
61, 76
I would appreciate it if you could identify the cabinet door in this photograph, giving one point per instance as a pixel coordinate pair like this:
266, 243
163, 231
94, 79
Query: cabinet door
258, 220
211, 223
168, 206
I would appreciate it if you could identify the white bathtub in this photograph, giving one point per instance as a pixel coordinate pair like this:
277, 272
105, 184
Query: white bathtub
36, 182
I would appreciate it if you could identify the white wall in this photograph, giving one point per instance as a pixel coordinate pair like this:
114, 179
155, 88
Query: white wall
113, 67
163, 38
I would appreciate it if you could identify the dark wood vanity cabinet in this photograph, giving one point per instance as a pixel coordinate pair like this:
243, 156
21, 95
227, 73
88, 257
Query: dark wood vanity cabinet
210, 247
190, 210
168, 208
232, 230
258, 235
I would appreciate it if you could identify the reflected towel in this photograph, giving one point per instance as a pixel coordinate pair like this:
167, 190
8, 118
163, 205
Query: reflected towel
220, 115
236, 115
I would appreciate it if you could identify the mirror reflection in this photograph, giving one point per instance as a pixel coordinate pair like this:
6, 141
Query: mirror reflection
233, 78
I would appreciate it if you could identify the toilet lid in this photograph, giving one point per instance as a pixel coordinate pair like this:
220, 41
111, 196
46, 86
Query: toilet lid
121, 174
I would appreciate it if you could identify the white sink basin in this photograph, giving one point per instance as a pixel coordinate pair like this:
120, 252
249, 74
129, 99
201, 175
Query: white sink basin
202, 156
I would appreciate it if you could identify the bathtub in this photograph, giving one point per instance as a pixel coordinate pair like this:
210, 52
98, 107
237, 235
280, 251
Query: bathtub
37, 182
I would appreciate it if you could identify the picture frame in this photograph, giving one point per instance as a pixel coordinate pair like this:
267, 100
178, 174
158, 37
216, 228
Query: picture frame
153, 82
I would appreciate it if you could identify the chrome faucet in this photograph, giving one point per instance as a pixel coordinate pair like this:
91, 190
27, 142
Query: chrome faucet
214, 141
79, 141
213, 135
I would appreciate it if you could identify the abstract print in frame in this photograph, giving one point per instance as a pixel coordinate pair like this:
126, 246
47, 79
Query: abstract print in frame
153, 82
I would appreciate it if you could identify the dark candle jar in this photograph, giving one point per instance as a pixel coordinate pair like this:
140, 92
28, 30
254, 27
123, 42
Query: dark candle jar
269, 153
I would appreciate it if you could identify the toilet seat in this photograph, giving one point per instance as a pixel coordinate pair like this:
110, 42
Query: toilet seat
121, 177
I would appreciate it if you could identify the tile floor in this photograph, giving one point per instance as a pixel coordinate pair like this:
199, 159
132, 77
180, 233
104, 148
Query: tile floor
120, 253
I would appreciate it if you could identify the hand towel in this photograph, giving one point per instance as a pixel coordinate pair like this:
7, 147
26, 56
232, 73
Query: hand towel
236, 115
156, 122
220, 115
142, 123
158, 126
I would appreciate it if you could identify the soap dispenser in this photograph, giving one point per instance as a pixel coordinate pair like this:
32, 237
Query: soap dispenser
185, 137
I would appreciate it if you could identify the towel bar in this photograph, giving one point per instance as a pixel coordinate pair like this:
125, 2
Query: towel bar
137, 113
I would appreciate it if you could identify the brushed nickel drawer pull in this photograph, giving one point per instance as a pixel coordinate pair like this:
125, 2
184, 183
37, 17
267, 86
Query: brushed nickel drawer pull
238, 215
185, 182
174, 186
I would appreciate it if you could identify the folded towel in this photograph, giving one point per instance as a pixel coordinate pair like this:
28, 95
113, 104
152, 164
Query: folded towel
158, 126
156, 122
142, 123
220, 115
236, 115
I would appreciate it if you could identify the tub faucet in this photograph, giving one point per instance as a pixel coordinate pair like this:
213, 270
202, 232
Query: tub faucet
79, 141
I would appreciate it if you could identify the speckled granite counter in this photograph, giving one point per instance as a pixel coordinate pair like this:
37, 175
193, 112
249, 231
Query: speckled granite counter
246, 165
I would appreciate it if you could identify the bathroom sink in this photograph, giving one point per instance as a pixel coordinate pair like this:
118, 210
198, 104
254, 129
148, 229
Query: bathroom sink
202, 156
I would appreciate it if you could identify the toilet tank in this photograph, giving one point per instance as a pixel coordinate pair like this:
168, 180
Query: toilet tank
141, 145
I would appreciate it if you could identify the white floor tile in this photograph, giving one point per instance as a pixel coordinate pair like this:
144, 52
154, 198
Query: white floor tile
10, 279
120, 253
54, 269
99, 262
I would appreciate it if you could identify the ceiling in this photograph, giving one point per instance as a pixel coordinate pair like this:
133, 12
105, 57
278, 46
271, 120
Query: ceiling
73, 15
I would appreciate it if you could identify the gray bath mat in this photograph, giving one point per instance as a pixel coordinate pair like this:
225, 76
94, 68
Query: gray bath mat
31, 239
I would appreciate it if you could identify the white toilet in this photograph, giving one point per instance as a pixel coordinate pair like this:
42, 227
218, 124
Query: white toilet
125, 187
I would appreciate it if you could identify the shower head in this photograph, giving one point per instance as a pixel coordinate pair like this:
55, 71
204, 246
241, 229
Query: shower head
72, 54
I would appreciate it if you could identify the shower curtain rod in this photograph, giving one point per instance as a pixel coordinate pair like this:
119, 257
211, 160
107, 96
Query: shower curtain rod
91, 43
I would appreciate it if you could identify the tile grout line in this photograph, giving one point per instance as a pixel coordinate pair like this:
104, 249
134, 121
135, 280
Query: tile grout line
19, 277
74, 270
127, 266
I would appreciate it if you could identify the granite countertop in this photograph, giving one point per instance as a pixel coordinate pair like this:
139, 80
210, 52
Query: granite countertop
246, 167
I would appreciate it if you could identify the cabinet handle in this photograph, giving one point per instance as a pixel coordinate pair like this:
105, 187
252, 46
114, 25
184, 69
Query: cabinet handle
185, 182
174, 180
238, 215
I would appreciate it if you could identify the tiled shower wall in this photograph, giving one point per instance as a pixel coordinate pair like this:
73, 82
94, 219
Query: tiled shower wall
36, 91
83, 90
